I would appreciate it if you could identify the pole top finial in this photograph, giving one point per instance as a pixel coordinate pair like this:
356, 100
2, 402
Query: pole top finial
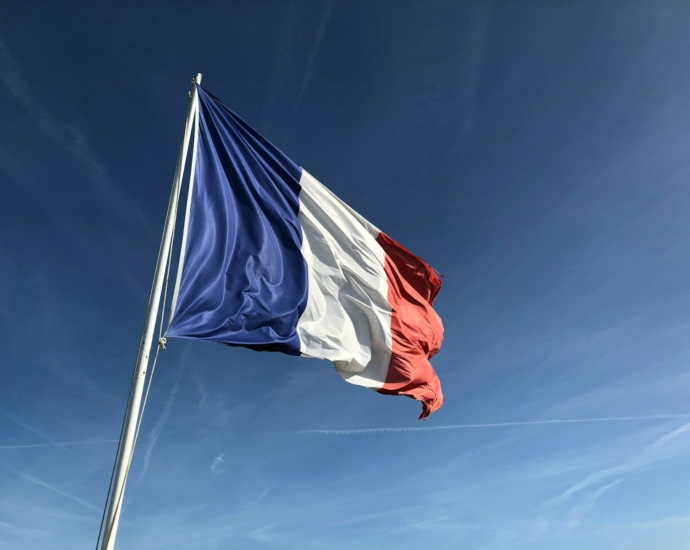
197, 79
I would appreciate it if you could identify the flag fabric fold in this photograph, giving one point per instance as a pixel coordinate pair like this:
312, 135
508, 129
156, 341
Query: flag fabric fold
274, 261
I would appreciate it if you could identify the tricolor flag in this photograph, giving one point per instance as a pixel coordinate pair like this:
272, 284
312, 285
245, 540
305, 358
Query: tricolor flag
273, 261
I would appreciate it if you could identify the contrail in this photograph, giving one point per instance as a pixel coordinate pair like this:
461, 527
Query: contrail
494, 425
28, 427
320, 31
72, 139
50, 487
163, 419
57, 444
647, 457
283, 58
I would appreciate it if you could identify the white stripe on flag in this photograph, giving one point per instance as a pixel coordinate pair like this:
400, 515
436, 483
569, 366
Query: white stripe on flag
347, 319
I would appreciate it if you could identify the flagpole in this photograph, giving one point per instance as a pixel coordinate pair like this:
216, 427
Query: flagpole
132, 414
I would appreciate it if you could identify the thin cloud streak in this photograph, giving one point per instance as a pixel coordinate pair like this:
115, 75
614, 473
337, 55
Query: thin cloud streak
320, 32
46, 485
283, 58
28, 427
75, 142
216, 467
58, 444
72, 139
323, 24
162, 420
651, 454
365, 431
578, 512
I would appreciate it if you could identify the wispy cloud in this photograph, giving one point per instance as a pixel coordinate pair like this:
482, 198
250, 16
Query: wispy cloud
29, 427
6, 527
649, 455
313, 54
263, 534
550, 514
58, 444
70, 138
265, 489
46, 485
578, 512
364, 431
89, 246
203, 393
163, 419
216, 466
472, 63
74, 141
668, 437
282, 64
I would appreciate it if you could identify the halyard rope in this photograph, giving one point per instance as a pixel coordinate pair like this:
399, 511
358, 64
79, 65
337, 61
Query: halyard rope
161, 345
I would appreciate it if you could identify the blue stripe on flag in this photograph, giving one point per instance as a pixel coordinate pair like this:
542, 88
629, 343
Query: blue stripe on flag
244, 280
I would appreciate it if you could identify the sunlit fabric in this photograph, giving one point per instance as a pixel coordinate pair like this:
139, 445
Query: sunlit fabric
244, 281
275, 261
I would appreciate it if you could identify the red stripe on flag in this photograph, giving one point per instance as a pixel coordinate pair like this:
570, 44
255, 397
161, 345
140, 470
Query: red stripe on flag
416, 329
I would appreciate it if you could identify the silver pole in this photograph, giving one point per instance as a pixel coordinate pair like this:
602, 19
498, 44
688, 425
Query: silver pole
114, 505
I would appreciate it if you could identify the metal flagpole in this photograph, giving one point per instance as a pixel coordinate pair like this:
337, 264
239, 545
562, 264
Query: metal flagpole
132, 415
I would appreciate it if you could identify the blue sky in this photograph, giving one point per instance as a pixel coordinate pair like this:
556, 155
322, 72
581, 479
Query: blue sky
535, 153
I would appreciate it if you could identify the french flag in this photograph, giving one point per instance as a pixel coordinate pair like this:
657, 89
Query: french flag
273, 261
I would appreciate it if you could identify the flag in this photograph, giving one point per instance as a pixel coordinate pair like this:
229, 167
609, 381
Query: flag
274, 261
